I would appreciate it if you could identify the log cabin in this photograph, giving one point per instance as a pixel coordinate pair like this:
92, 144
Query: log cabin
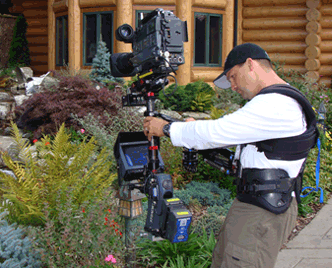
296, 33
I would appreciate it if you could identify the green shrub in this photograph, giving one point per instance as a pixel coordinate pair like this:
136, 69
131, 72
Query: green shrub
101, 70
16, 249
184, 97
19, 50
55, 167
207, 193
80, 236
196, 252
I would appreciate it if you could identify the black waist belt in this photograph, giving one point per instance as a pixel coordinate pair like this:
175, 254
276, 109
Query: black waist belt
263, 181
267, 188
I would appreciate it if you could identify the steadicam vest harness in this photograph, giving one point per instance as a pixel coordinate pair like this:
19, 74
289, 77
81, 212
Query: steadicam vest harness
271, 188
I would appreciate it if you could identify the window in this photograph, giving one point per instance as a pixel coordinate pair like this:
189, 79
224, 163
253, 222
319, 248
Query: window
61, 46
208, 33
96, 27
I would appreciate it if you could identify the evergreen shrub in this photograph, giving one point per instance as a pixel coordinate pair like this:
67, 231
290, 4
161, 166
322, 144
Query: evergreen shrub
16, 249
54, 168
19, 53
44, 112
101, 70
184, 97
207, 193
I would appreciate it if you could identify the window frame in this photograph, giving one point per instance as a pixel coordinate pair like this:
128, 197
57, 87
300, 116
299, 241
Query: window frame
98, 33
57, 64
207, 38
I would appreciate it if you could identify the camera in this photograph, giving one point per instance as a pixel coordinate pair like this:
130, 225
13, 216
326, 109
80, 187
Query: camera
157, 44
157, 51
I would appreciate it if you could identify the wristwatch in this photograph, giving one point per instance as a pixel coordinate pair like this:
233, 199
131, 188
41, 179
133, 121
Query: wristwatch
166, 129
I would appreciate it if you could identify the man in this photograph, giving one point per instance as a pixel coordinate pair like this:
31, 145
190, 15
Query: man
264, 212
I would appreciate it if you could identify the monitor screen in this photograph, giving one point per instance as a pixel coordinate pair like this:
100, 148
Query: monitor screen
136, 155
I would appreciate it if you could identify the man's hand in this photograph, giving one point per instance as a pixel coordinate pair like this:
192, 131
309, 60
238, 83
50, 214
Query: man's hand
153, 127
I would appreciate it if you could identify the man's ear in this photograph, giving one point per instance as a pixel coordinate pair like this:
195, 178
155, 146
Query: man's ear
250, 63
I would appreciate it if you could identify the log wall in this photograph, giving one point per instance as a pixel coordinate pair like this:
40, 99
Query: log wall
35, 13
296, 33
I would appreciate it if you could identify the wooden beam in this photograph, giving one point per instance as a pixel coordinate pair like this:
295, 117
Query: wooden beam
74, 35
51, 35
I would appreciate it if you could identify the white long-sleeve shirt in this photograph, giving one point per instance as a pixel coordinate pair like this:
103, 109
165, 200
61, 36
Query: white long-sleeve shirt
266, 116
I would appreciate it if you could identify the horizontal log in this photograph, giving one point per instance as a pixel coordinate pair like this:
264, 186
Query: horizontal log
313, 3
39, 69
326, 46
313, 15
274, 23
326, 10
280, 47
37, 31
37, 22
326, 34
280, 35
325, 70
34, 4
35, 13
312, 52
326, 22
248, 3
325, 81
297, 68
210, 3
36, 50
313, 27
152, 2
95, 3
205, 74
313, 39
326, 58
273, 11
60, 6
40, 40
39, 59
312, 64
288, 58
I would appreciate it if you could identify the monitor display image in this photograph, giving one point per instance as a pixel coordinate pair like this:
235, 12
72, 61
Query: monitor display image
136, 155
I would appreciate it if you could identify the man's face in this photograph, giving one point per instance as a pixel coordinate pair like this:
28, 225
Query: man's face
241, 81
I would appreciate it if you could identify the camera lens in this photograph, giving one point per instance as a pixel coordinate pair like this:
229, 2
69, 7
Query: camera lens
125, 33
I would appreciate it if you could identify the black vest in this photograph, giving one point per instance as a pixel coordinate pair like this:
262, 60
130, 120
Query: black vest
271, 188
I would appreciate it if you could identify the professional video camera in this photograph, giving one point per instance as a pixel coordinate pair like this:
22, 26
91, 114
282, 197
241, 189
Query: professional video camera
157, 51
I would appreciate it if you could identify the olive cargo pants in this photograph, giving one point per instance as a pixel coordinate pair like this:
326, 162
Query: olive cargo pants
252, 237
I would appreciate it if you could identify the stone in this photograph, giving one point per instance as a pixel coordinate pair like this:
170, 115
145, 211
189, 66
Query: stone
172, 114
5, 144
5, 97
5, 108
49, 82
19, 99
23, 74
197, 116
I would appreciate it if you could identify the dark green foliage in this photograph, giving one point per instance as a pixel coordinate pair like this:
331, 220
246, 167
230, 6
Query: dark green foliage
16, 249
19, 51
196, 252
207, 193
183, 97
101, 70
44, 112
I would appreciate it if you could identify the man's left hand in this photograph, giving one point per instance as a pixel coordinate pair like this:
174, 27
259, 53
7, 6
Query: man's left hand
153, 127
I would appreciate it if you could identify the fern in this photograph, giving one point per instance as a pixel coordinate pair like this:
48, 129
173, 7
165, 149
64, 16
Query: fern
57, 166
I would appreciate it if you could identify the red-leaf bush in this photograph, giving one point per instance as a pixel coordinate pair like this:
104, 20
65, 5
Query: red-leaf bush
44, 112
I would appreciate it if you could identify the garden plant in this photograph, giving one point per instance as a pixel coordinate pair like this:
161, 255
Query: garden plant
60, 202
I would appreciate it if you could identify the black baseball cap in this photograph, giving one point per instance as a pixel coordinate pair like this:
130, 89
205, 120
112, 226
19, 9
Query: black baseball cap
238, 55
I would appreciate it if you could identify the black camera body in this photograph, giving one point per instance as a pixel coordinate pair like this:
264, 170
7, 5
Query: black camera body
157, 51
157, 44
